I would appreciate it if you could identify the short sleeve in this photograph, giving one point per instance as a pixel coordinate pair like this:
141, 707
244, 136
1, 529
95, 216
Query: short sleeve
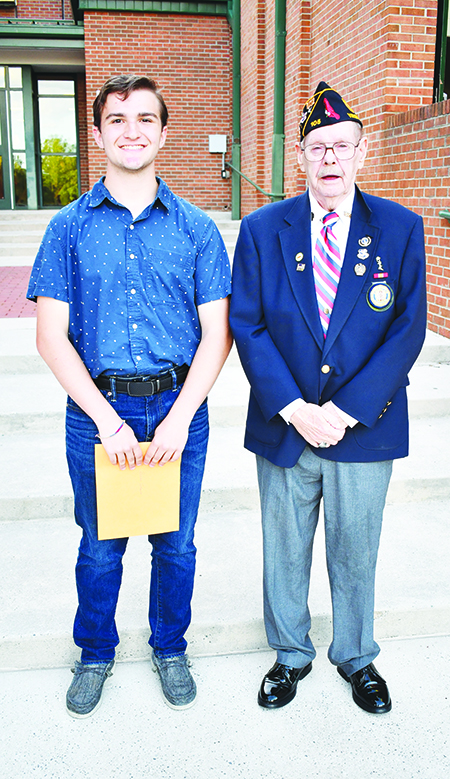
212, 272
49, 273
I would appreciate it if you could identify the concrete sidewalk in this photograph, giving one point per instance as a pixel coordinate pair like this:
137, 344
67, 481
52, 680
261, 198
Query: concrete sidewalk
321, 734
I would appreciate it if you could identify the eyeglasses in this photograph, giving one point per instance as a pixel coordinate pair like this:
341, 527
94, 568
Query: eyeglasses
342, 150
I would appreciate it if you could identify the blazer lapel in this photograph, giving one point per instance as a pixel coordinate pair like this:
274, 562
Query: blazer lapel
350, 283
296, 247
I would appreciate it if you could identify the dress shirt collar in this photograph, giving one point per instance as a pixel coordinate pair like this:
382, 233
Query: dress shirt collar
344, 209
100, 193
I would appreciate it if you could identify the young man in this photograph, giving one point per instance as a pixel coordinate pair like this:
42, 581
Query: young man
329, 315
132, 286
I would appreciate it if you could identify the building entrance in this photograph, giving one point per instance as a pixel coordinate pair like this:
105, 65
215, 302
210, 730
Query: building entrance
38, 140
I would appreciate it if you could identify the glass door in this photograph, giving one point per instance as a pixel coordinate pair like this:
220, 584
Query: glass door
17, 168
58, 150
5, 172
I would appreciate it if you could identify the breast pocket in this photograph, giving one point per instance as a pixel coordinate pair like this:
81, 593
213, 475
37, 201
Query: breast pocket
169, 277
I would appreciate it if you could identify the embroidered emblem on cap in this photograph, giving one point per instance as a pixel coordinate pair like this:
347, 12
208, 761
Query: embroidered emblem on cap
329, 110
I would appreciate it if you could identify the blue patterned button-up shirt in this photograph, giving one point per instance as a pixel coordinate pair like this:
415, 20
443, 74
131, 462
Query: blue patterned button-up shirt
132, 285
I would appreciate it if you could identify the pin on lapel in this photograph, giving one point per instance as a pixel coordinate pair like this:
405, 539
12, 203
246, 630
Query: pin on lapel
362, 254
298, 258
365, 241
360, 269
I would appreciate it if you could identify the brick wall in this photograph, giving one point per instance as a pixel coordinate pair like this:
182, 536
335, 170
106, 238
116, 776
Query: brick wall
413, 168
38, 9
82, 132
298, 43
189, 56
256, 128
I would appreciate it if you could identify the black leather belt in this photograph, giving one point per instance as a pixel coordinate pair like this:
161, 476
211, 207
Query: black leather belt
138, 387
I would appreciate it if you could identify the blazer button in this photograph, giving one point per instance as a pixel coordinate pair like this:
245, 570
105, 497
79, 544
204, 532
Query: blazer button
325, 369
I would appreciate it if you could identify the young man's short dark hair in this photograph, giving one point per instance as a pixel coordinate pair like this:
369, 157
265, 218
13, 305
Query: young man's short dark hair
123, 86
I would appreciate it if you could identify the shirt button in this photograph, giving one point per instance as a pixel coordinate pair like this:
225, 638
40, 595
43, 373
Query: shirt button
138, 357
131, 256
325, 369
131, 227
133, 291
134, 327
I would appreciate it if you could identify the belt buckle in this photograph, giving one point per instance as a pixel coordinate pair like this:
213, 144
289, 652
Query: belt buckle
141, 388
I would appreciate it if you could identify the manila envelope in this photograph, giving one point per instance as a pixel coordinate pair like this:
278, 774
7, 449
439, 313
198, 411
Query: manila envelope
139, 502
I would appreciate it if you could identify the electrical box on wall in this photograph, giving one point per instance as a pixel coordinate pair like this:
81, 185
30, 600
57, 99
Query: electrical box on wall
218, 144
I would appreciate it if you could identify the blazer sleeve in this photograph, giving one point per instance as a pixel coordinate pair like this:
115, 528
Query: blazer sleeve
386, 370
270, 378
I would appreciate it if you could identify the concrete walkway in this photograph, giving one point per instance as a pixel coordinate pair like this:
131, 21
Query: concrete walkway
226, 735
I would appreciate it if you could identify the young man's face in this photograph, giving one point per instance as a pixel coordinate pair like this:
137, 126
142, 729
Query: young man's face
131, 134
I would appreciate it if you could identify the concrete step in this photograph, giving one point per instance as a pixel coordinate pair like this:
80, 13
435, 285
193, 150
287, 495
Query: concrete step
18, 249
33, 405
36, 481
39, 597
27, 216
10, 236
34, 402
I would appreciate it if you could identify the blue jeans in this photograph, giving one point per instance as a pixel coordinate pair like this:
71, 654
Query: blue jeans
99, 565
354, 495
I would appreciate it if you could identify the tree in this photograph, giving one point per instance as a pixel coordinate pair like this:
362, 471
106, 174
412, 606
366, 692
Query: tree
59, 172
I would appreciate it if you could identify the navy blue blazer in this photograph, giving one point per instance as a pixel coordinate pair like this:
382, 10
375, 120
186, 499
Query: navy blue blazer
374, 337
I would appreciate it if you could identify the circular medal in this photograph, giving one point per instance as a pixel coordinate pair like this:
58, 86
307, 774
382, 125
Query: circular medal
380, 296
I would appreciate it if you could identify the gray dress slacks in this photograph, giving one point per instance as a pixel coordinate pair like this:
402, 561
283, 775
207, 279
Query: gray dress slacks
354, 496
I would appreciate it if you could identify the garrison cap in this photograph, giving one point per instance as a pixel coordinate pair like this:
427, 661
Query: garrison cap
325, 107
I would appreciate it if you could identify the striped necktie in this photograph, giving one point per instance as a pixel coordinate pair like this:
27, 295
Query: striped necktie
327, 269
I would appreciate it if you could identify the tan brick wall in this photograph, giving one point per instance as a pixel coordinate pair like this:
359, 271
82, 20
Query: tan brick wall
190, 57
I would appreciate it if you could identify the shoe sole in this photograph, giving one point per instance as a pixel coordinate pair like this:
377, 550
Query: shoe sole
362, 705
278, 705
75, 715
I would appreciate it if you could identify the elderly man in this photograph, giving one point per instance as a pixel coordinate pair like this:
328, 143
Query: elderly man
329, 313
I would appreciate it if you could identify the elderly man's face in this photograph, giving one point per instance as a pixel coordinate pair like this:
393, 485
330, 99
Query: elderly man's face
330, 180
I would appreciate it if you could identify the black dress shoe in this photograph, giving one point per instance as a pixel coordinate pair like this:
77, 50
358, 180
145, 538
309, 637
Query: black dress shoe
370, 691
280, 685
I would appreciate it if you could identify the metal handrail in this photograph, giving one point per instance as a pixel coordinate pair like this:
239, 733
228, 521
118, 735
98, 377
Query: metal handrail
445, 214
267, 194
